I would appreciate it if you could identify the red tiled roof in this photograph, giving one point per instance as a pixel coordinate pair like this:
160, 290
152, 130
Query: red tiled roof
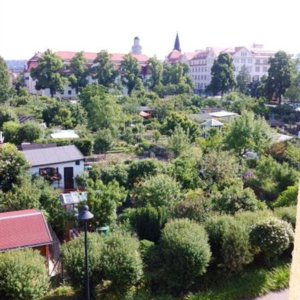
24, 228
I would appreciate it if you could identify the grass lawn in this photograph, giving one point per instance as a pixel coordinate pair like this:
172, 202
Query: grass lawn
249, 284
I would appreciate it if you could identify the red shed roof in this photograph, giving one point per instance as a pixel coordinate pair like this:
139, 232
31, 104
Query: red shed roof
23, 229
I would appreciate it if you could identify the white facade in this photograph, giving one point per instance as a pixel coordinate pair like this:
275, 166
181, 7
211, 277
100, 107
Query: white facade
78, 169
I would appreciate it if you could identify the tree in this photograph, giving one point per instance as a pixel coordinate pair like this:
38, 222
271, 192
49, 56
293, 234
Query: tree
4, 81
6, 115
222, 73
159, 190
104, 71
13, 166
102, 109
247, 133
156, 70
130, 71
78, 72
185, 251
11, 132
103, 141
279, 76
30, 132
178, 142
293, 91
47, 73
243, 80
23, 275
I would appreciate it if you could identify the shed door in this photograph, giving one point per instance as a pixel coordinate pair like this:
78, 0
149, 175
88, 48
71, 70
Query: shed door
68, 178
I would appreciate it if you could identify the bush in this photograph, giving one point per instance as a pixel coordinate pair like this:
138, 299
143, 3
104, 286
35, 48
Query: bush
235, 199
159, 190
85, 145
117, 172
271, 237
229, 243
287, 197
73, 259
121, 262
103, 141
185, 252
287, 214
23, 275
29, 132
196, 206
148, 222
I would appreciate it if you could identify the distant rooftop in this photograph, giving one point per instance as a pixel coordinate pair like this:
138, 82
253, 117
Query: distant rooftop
222, 114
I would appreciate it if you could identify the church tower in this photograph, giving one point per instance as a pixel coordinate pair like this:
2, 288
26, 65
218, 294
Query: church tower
136, 48
177, 43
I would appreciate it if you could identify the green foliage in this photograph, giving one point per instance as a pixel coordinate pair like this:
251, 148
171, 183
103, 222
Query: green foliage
148, 221
73, 259
4, 81
104, 70
140, 169
118, 172
248, 133
6, 115
85, 145
13, 166
29, 132
235, 198
102, 108
287, 214
156, 70
78, 71
184, 170
103, 201
158, 190
121, 262
47, 73
243, 80
271, 238
185, 252
250, 284
103, 141
218, 169
222, 73
11, 132
279, 75
130, 73
176, 119
179, 141
23, 275
229, 243
287, 197
195, 206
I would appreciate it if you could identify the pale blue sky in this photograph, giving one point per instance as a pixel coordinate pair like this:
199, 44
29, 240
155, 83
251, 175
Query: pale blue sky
27, 26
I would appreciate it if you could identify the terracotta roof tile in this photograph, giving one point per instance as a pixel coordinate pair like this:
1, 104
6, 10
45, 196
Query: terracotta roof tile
24, 228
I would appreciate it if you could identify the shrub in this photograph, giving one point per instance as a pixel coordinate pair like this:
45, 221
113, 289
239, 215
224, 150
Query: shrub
196, 206
103, 141
159, 190
271, 237
148, 222
229, 243
73, 259
287, 214
85, 145
29, 132
121, 262
117, 172
185, 252
287, 197
23, 275
235, 198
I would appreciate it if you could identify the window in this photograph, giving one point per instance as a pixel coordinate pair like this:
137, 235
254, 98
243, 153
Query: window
257, 69
265, 69
257, 61
77, 162
69, 92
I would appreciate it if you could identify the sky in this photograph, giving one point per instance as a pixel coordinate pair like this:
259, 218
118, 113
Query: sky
28, 26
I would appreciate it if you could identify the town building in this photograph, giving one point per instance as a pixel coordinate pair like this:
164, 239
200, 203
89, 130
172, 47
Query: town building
58, 165
66, 57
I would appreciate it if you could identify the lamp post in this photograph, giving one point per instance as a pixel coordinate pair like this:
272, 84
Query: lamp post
84, 216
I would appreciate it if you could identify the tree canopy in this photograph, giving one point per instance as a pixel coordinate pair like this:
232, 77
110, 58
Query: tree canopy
4, 81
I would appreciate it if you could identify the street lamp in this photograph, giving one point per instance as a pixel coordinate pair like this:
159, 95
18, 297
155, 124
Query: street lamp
84, 216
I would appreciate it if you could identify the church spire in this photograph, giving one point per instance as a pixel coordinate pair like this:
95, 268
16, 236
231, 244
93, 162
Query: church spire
177, 43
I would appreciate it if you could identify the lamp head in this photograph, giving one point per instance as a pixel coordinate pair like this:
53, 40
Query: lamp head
85, 215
